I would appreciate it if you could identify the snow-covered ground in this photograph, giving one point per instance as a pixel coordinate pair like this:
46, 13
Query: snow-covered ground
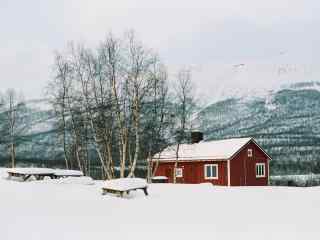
49, 210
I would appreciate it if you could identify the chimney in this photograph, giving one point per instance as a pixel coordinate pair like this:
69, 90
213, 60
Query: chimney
196, 137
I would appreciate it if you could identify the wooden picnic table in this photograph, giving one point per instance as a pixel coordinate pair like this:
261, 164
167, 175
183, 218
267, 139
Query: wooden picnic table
41, 173
125, 185
106, 190
26, 175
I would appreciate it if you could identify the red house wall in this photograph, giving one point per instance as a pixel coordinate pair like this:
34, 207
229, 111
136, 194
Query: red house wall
243, 168
193, 172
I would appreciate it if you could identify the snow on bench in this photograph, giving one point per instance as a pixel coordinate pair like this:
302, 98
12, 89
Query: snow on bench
31, 170
125, 185
67, 173
74, 180
159, 179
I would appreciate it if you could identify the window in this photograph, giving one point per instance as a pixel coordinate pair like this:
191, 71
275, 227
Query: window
179, 172
260, 170
211, 171
250, 152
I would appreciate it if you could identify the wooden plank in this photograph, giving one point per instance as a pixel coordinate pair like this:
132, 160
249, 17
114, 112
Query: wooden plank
26, 177
145, 191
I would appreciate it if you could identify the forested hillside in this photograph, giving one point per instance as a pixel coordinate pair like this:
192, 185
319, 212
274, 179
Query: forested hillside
36, 138
285, 123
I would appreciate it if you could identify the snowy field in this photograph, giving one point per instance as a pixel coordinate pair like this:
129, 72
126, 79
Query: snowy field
53, 210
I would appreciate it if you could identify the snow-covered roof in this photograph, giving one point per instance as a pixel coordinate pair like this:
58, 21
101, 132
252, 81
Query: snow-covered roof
211, 150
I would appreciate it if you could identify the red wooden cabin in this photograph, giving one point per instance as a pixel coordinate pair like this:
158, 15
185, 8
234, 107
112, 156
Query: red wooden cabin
229, 162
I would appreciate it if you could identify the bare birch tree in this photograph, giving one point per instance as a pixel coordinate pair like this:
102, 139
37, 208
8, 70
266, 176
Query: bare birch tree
14, 104
102, 95
141, 60
158, 120
59, 99
184, 109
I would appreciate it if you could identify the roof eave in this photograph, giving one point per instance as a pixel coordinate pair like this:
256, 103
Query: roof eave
190, 160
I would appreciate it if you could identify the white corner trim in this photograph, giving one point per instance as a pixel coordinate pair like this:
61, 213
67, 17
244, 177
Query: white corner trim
268, 172
229, 176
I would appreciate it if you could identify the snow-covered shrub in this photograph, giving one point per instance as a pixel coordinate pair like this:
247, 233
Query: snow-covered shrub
296, 180
77, 180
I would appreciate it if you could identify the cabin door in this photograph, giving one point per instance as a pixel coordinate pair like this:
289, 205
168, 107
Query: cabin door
169, 174
190, 174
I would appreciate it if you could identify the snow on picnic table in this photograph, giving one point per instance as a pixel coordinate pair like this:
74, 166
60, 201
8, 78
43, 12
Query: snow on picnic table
57, 172
160, 178
31, 170
61, 172
41, 210
124, 184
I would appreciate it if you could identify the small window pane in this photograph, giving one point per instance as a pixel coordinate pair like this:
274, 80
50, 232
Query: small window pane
208, 171
179, 172
260, 169
249, 152
211, 171
214, 171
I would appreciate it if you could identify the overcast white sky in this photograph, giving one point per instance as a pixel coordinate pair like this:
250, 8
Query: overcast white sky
212, 35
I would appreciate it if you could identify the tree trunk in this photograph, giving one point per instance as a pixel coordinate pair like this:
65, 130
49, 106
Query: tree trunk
137, 137
176, 164
13, 156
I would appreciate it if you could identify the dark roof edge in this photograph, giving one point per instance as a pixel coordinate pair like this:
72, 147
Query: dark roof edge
190, 160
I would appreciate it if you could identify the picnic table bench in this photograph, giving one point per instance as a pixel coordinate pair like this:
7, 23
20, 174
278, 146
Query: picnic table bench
41, 173
125, 185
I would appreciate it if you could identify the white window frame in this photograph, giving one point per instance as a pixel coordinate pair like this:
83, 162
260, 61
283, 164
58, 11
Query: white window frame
179, 172
205, 171
250, 152
259, 165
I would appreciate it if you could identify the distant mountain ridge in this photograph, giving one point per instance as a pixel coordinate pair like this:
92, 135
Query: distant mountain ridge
304, 85
222, 81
